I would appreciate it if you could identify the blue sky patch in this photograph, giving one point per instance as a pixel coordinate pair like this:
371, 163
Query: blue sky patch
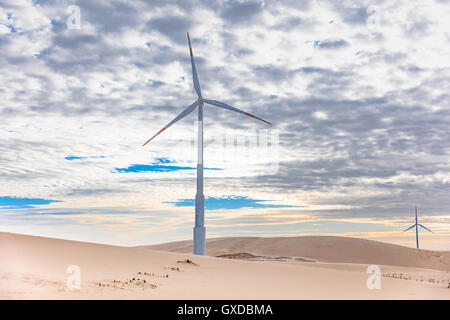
164, 160
83, 158
229, 203
153, 168
13, 202
159, 165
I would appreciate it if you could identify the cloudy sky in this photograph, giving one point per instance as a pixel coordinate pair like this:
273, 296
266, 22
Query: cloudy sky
357, 93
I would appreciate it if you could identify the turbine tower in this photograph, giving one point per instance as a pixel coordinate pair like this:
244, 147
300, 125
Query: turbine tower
199, 228
417, 225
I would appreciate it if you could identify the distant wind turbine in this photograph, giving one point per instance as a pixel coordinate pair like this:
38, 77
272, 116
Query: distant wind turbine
417, 225
199, 229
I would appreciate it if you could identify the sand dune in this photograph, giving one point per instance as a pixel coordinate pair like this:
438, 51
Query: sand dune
321, 248
35, 268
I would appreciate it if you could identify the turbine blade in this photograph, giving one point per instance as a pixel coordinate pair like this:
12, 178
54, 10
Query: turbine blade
425, 228
179, 117
409, 228
225, 106
194, 70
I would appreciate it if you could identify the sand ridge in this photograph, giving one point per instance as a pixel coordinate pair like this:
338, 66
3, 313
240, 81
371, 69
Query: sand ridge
320, 248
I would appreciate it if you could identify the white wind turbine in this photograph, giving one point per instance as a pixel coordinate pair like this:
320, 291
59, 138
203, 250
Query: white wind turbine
417, 225
199, 229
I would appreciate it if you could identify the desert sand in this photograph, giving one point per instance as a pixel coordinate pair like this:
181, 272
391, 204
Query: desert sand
35, 268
